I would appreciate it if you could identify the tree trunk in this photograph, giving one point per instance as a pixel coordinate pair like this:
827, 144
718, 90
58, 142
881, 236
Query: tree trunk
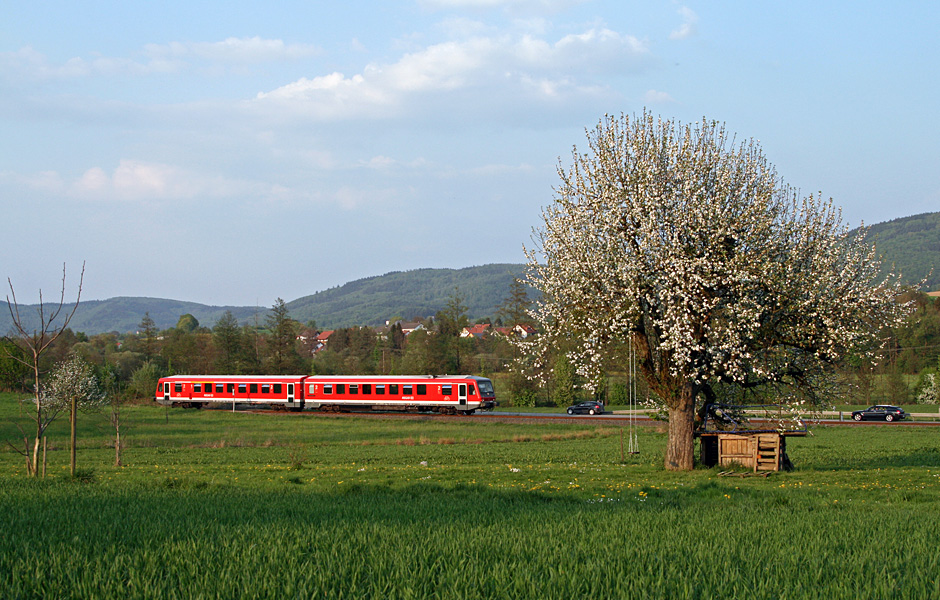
72, 418
40, 432
680, 447
117, 447
29, 459
36, 455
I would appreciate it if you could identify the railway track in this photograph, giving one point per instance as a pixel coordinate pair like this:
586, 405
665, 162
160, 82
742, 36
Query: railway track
607, 418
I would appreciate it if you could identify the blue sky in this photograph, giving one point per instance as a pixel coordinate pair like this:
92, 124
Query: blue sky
237, 152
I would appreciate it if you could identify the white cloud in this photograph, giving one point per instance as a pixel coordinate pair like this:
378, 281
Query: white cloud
27, 64
234, 50
688, 27
657, 97
381, 162
93, 181
509, 69
160, 186
151, 182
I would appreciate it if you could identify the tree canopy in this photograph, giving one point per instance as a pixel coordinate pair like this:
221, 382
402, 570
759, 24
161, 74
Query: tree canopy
686, 245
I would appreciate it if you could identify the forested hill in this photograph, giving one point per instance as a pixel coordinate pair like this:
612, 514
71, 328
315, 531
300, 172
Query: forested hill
370, 301
123, 315
408, 295
911, 245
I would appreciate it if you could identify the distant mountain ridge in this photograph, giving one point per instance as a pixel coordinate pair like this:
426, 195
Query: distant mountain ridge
909, 244
370, 301
124, 314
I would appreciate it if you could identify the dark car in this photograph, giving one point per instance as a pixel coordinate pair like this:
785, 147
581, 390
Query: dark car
590, 407
880, 412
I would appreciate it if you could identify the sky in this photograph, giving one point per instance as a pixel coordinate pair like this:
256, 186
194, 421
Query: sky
233, 153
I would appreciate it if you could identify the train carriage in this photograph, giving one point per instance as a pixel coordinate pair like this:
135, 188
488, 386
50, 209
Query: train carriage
194, 391
445, 394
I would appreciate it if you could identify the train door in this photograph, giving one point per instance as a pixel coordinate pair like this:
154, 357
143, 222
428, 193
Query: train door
166, 391
290, 394
462, 395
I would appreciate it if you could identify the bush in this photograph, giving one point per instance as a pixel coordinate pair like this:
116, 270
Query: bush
928, 389
143, 381
524, 397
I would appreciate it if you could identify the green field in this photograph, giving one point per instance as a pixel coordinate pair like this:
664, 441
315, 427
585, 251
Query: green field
212, 504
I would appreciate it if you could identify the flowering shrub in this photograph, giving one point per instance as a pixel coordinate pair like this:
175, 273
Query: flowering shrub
929, 390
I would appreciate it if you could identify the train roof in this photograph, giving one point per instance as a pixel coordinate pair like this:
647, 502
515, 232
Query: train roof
234, 377
394, 377
324, 377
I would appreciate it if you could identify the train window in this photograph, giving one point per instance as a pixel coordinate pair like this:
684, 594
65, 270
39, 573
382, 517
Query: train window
265, 388
219, 388
277, 388
473, 390
447, 390
231, 388
312, 388
393, 389
422, 389
253, 388
327, 388
353, 388
242, 388
178, 387
340, 388
379, 390
366, 388
197, 388
406, 389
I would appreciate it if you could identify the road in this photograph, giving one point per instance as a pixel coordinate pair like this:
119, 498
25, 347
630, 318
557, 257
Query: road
616, 419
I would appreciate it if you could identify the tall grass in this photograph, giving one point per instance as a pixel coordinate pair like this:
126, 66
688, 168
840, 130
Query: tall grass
347, 508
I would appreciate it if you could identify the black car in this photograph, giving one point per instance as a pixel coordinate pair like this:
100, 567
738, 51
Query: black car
591, 407
880, 412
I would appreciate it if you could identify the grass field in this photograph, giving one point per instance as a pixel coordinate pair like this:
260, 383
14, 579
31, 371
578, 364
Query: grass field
218, 505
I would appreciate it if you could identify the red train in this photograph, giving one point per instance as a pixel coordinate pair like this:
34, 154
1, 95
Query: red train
430, 393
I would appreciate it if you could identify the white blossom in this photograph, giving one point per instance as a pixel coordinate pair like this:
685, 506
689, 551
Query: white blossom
71, 379
687, 245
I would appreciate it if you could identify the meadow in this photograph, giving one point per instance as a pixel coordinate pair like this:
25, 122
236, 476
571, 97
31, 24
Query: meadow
211, 504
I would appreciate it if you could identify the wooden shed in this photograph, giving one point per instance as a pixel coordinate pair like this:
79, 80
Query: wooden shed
756, 450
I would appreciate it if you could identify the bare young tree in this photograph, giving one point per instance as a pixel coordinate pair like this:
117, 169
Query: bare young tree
687, 246
34, 336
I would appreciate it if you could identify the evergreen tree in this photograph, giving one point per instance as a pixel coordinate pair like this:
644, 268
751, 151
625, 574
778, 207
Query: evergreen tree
515, 308
282, 357
148, 332
449, 348
228, 342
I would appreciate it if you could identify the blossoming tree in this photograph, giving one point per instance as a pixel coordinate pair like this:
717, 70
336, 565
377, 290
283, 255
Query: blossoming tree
72, 385
686, 245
